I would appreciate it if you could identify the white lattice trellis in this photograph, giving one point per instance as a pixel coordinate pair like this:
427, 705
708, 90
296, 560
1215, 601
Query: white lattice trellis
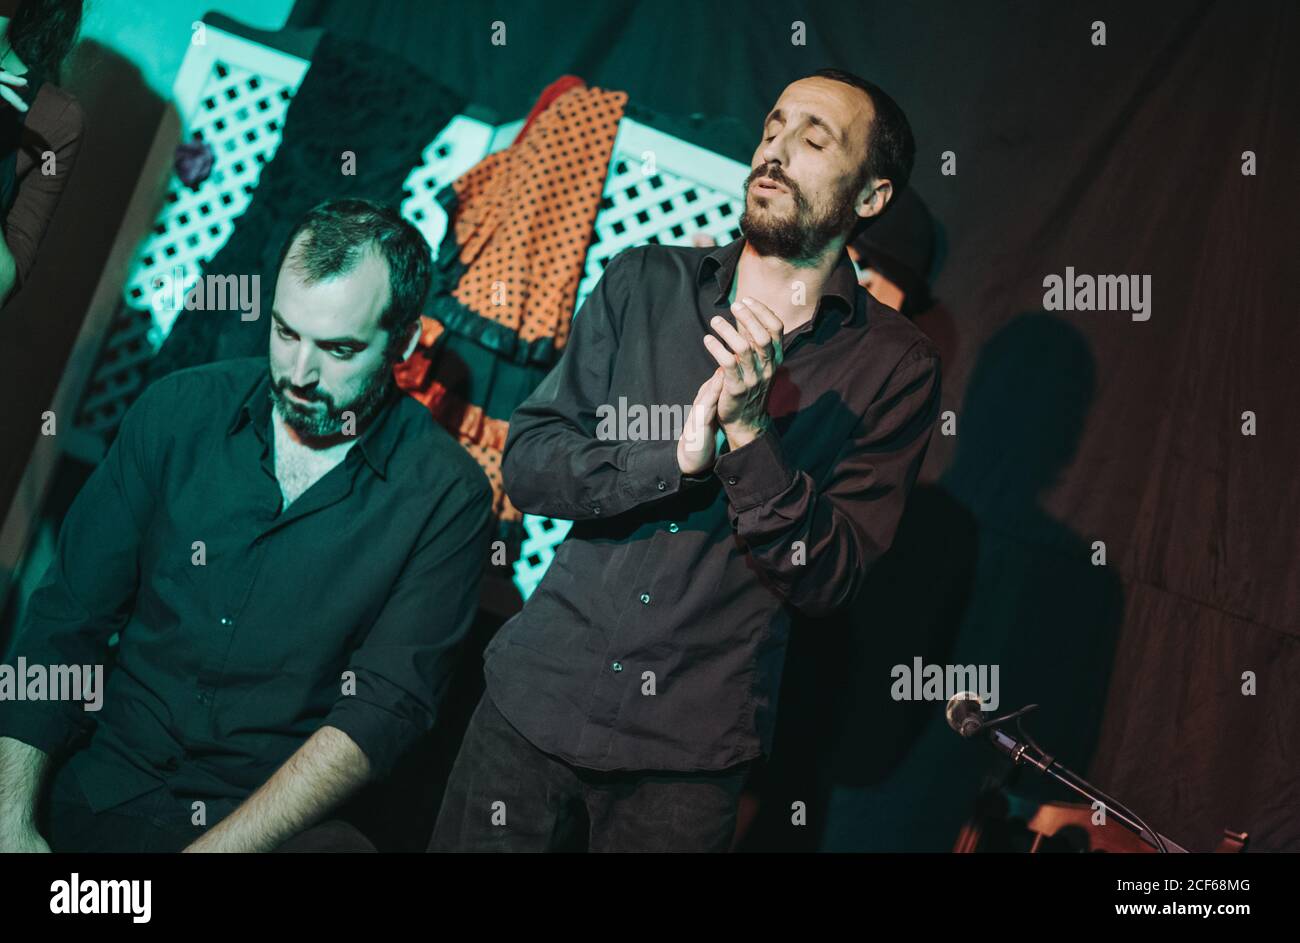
233, 93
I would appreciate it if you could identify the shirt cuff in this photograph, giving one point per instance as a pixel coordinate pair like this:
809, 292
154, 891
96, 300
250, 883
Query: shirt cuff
653, 472
382, 735
42, 725
755, 473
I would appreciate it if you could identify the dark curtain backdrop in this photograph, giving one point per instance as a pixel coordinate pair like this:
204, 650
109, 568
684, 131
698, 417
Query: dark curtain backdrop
1071, 427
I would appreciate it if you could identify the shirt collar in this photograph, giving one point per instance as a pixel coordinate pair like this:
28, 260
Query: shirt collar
376, 443
840, 292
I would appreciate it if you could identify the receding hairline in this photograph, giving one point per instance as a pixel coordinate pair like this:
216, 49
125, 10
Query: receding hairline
353, 259
371, 248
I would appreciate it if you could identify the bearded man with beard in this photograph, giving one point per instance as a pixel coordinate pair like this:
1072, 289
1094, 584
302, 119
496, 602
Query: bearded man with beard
629, 698
288, 551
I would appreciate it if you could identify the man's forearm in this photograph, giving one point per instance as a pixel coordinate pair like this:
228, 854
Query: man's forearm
22, 770
323, 772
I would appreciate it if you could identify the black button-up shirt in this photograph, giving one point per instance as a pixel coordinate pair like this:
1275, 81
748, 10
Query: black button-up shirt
340, 611
656, 638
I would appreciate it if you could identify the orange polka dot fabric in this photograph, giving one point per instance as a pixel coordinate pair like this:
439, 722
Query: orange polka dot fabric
524, 215
523, 221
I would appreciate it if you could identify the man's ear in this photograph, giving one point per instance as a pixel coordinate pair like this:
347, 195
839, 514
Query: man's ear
413, 340
875, 198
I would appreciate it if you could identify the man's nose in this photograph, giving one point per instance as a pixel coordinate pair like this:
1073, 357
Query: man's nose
774, 151
303, 372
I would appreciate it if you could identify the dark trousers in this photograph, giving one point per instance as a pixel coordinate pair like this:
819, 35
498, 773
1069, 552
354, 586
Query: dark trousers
159, 821
506, 795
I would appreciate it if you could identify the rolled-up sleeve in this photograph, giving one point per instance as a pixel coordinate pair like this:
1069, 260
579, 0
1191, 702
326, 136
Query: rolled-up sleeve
402, 666
815, 544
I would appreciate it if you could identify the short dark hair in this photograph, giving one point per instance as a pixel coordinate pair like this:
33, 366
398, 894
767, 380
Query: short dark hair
338, 234
891, 149
43, 31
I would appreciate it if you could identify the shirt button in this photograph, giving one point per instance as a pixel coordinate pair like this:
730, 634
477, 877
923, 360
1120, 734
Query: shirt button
662, 486
645, 598
673, 528
204, 696
617, 666
596, 510
226, 620
732, 479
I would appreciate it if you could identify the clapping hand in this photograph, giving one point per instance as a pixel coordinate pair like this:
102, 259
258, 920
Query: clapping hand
749, 359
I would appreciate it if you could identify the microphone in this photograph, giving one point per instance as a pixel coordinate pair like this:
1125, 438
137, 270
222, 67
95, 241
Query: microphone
965, 713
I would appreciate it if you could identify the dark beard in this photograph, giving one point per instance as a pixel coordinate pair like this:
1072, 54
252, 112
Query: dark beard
803, 238
316, 425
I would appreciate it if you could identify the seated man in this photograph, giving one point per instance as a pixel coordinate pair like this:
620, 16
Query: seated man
289, 552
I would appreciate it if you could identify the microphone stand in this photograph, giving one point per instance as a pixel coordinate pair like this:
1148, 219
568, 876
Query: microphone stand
1028, 753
